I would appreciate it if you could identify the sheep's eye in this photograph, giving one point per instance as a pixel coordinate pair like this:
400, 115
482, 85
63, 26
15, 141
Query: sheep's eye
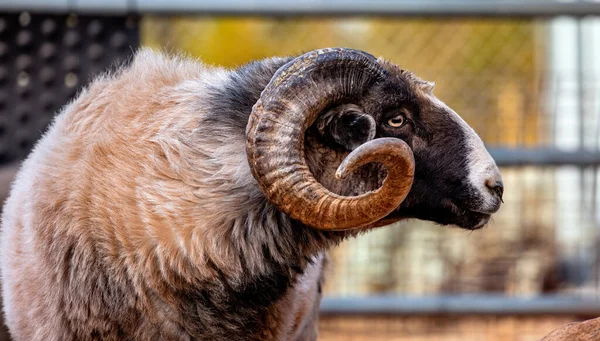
396, 122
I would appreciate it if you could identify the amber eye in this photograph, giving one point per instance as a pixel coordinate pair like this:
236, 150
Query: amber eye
396, 122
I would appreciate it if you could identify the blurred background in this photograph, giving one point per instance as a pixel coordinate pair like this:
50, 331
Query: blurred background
524, 74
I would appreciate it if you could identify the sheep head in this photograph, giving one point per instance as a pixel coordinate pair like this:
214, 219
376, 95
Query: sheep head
419, 159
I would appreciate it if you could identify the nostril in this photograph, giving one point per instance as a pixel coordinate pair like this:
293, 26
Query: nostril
496, 186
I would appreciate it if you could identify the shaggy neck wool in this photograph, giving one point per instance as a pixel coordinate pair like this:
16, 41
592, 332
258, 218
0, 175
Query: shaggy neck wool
247, 252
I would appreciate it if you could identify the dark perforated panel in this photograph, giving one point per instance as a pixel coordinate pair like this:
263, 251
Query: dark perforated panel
44, 61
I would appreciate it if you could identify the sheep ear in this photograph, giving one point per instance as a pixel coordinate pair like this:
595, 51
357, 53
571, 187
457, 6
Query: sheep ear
348, 126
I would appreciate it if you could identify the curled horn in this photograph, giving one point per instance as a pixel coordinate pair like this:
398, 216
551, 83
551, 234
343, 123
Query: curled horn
290, 103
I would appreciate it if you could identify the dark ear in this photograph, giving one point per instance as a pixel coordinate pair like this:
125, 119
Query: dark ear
347, 126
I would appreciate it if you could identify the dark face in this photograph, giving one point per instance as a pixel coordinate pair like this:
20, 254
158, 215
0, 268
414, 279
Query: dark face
456, 181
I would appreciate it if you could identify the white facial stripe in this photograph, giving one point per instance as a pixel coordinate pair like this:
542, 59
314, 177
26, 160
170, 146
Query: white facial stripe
482, 166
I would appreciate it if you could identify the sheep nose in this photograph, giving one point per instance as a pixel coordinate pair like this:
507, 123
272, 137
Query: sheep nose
496, 186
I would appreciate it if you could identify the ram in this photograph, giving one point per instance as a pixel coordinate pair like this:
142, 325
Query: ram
175, 201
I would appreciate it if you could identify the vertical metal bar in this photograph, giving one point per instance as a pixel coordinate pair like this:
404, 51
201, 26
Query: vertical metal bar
596, 147
580, 81
581, 141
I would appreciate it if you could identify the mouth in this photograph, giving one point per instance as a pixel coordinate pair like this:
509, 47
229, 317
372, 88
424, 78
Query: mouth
470, 219
480, 220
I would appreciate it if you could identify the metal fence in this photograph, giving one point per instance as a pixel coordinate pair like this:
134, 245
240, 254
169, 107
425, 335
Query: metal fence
44, 61
521, 73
